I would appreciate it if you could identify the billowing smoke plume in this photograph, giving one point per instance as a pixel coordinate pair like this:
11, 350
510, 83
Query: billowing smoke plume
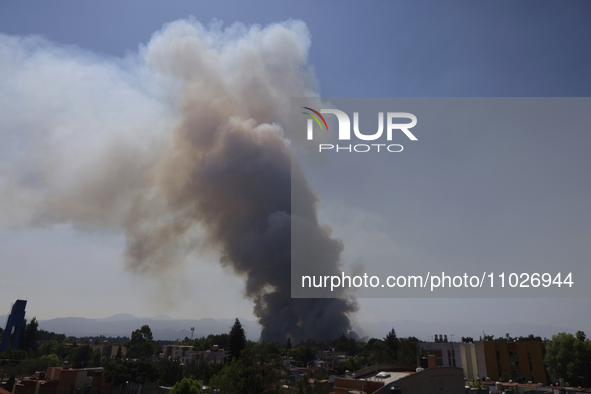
181, 145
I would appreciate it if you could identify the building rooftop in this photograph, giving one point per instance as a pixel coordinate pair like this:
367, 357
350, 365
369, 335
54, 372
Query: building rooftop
386, 377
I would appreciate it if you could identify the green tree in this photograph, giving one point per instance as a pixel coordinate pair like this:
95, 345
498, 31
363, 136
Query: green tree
169, 372
303, 353
186, 386
54, 347
259, 370
29, 335
353, 364
230, 379
202, 370
95, 358
32, 365
130, 376
236, 339
142, 344
52, 360
344, 344
80, 356
569, 357
391, 347
409, 350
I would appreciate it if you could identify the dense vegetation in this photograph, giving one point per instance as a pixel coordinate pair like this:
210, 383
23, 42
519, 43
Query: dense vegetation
248, 367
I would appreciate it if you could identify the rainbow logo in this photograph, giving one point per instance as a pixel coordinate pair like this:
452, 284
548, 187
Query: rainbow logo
315, 118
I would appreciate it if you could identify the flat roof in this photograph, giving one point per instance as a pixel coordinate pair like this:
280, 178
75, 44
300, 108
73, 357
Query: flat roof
394, 376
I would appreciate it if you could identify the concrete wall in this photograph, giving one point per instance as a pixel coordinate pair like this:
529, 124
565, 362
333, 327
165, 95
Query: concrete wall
469, 362
342, 385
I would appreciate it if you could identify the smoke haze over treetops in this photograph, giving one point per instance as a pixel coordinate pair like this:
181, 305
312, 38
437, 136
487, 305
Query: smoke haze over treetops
180, 145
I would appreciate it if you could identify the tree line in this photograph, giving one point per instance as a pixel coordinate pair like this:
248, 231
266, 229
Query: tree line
251, 367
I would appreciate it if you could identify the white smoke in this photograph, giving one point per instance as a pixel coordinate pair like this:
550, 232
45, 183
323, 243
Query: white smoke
182, 136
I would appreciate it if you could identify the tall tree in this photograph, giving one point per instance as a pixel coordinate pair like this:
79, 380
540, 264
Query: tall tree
392, 346
409, 350
142, 344
29, 335
236, 340
569, 357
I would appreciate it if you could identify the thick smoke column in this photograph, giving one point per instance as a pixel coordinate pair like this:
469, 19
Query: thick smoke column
196, 145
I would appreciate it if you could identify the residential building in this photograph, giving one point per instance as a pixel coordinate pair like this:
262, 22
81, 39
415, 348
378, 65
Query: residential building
214, 355
517, 361
110, 351
388, 379
473, 360
176, 352
78, 380
447, 354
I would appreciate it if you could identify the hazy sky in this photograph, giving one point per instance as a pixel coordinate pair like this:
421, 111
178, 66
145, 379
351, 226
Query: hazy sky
378, 48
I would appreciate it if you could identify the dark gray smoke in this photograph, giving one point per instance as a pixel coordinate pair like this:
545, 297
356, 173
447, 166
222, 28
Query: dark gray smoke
238, 185
209, 168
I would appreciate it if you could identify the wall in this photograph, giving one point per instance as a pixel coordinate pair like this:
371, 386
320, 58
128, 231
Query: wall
342, 385
440, 380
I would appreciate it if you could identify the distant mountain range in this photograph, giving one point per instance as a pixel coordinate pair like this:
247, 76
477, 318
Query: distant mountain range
470, 328
165, 328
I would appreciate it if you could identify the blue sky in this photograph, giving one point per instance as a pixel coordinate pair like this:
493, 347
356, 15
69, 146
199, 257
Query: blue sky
375, 48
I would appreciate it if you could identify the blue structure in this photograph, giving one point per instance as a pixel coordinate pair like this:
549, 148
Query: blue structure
14, 323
